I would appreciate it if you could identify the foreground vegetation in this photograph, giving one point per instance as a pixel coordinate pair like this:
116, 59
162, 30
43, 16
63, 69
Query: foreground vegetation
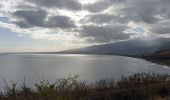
143, 86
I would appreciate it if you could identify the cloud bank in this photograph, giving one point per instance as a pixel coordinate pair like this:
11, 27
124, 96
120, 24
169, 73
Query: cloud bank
74, 21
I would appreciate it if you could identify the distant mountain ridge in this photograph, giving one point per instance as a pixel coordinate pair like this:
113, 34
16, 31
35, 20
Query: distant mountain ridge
131, 47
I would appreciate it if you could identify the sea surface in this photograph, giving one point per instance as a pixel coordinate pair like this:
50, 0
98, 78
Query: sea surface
36, 67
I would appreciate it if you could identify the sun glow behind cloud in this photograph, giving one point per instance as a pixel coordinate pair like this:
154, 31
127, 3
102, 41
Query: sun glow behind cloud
87, 1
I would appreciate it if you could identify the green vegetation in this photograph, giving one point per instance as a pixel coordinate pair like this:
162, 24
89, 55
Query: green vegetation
142, 86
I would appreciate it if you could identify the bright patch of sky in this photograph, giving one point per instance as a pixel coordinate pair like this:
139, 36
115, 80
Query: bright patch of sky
139, 29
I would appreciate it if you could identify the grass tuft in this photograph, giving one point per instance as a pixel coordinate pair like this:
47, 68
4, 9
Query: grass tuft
140, 86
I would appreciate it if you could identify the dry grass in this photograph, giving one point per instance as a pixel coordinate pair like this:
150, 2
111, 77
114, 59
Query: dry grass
141, 86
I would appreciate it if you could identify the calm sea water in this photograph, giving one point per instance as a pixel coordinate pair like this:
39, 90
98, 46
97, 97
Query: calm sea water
89, 67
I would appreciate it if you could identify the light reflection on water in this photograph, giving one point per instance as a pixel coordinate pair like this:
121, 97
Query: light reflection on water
89, 67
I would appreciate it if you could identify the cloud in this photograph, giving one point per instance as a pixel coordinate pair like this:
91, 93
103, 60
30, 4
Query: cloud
100, 21
161, 27
101, 5
33, 18
141, 10
60, 4
105, 19
39, 18
107, 33
59, 21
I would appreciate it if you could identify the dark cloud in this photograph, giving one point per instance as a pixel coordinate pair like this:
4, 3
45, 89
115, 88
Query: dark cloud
161, 28
22, 24
132, 10
140, 10
39, 18
154, 13
59, 21
145, 10
34, 18
61, 4
106, 33
105, 19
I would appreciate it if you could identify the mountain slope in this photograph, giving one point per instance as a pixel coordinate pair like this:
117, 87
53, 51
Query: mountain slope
162, 53
131, 47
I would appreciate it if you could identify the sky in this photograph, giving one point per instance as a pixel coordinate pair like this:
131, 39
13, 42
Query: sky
54, 25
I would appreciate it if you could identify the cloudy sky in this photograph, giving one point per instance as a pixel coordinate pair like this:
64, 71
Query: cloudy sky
52, 25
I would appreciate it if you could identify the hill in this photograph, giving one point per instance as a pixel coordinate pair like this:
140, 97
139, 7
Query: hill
163, 53
127, 48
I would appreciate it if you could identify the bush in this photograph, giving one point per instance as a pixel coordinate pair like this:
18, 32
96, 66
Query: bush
140, 86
